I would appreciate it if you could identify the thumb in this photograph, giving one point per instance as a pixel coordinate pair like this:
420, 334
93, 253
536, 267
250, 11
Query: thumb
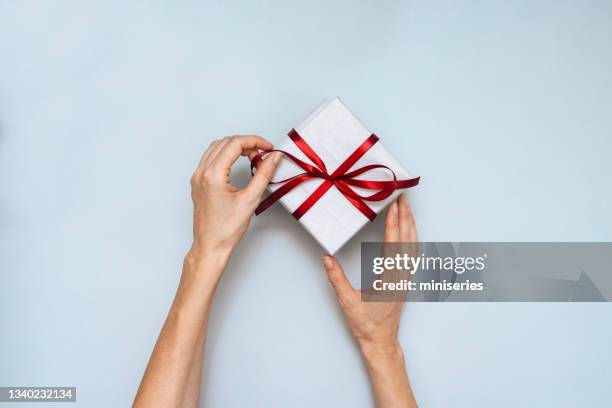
337, 278
263, 175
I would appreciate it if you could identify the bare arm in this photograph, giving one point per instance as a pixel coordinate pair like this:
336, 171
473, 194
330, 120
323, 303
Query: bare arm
221, 217
375, 324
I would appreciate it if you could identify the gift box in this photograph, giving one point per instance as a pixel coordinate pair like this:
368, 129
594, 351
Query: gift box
329, 201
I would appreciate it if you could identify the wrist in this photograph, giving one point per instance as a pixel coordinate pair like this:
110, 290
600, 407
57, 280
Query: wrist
384, 361
202, 269
376, 350
205, 248
201, 256
387, 371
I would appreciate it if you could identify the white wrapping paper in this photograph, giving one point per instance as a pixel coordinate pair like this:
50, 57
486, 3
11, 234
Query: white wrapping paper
334, 133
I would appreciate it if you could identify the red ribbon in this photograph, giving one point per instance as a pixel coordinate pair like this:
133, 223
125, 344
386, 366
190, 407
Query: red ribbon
339, 178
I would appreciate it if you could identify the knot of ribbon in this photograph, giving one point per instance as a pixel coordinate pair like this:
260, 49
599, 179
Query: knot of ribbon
341, 178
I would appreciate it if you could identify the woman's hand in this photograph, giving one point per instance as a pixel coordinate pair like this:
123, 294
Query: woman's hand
220, 218
375, 324
222, 213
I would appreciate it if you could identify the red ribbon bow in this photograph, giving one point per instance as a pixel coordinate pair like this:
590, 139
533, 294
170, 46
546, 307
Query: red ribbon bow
339, 178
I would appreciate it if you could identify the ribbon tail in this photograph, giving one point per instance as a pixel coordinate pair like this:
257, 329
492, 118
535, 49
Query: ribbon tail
408, 183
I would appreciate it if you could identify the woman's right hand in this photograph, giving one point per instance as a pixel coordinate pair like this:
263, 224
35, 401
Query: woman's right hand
375, 324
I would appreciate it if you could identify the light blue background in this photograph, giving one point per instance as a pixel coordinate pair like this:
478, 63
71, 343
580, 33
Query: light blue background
503, 107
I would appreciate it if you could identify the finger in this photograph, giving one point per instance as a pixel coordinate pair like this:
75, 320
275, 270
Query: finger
208, 157
263, 176
414, 233
338, 280
251, 153
237, 146
407, 227
217, 151
210, 152
205, 157
391, 224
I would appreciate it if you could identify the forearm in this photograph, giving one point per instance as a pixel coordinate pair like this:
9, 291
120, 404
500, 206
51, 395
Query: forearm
388, 375
191, 397
169, 374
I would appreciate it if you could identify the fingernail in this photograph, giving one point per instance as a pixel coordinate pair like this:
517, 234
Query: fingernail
276, 156
327, 263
